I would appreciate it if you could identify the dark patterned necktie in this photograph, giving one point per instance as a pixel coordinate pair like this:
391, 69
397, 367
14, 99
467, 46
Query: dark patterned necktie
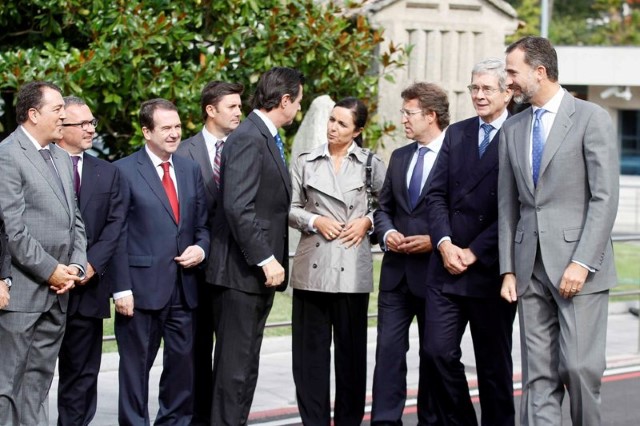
415, 184
76, 175
486, 140
216, 162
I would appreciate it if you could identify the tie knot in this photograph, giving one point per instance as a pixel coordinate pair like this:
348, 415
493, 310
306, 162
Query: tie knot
538, 113
422, 151
219, 143
486, 127
165, 166
45, 154
75, 160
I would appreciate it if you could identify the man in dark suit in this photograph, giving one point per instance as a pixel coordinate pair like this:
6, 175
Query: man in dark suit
558, 198
401, 225
166, 237
47, 245
5, 266
97, 189
464, 280
221, 111
250, 241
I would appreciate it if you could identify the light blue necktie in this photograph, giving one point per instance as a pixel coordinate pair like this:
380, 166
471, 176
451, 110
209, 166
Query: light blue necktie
486, 139
538, 140
415, 183
280, 147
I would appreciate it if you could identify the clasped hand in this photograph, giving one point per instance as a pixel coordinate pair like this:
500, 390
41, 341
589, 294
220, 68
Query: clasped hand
350, 234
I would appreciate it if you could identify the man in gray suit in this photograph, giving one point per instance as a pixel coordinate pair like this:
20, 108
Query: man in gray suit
558, 197
47, 244
221, 111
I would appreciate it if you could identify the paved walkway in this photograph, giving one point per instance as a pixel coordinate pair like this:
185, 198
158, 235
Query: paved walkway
275, 394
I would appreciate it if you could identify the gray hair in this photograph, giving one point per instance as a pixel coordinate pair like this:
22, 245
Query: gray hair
73, 100
493, 66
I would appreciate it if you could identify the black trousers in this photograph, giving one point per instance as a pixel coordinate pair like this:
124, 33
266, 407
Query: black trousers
203, 354
79, 365
396, 310
491, 323
239, 326
317, 317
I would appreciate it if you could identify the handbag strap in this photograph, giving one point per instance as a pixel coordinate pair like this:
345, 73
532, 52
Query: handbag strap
368, 168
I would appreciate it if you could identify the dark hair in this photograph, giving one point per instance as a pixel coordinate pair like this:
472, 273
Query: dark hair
358, 111
274, 84
73, 100
431, 98
30, 96
214, 91
149, 107
538, 51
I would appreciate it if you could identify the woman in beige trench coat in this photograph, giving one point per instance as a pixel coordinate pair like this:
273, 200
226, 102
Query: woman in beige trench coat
332, 272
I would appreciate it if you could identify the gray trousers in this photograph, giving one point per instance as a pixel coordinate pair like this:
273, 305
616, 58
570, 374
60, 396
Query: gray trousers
30, 342
563, 346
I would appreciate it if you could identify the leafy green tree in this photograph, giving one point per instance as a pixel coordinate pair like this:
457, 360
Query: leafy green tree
583, 22
118, 53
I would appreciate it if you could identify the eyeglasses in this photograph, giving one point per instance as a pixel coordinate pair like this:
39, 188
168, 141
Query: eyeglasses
83, 124
407, 114
473, 89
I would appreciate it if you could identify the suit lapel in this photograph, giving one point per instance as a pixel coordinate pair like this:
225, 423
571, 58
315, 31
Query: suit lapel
273, 149
181, 177
559, 130
404, 170
41, 166
149, 174
521, 139
198, 152
475, 167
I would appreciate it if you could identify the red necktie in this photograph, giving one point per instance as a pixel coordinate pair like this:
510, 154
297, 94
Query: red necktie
170, 189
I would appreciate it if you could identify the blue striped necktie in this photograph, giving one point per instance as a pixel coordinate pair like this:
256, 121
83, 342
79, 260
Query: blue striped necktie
537, 144
486, 139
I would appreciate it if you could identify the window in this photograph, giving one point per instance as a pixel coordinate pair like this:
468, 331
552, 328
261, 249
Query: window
629, 142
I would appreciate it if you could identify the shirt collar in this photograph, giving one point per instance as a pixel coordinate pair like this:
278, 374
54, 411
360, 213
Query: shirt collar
155, 159
553, 105
267, 121
33, 140
209, 137
435, 144
498, 122
323, 151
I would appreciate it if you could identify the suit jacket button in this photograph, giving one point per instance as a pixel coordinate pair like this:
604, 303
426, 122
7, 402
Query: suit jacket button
317, 204
317, 244
350, 207
341, 269
315, 266
535, 233
481, 218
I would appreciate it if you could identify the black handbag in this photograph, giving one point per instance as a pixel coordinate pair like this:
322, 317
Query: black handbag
371, 200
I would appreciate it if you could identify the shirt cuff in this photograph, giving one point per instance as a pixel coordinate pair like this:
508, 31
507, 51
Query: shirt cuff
584, 265
384, 238
312, 220
267, 260
442, 240
204, 256
120, 294
82, 273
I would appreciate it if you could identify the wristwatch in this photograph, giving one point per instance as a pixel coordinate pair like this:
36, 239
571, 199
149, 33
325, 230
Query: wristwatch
8, 281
